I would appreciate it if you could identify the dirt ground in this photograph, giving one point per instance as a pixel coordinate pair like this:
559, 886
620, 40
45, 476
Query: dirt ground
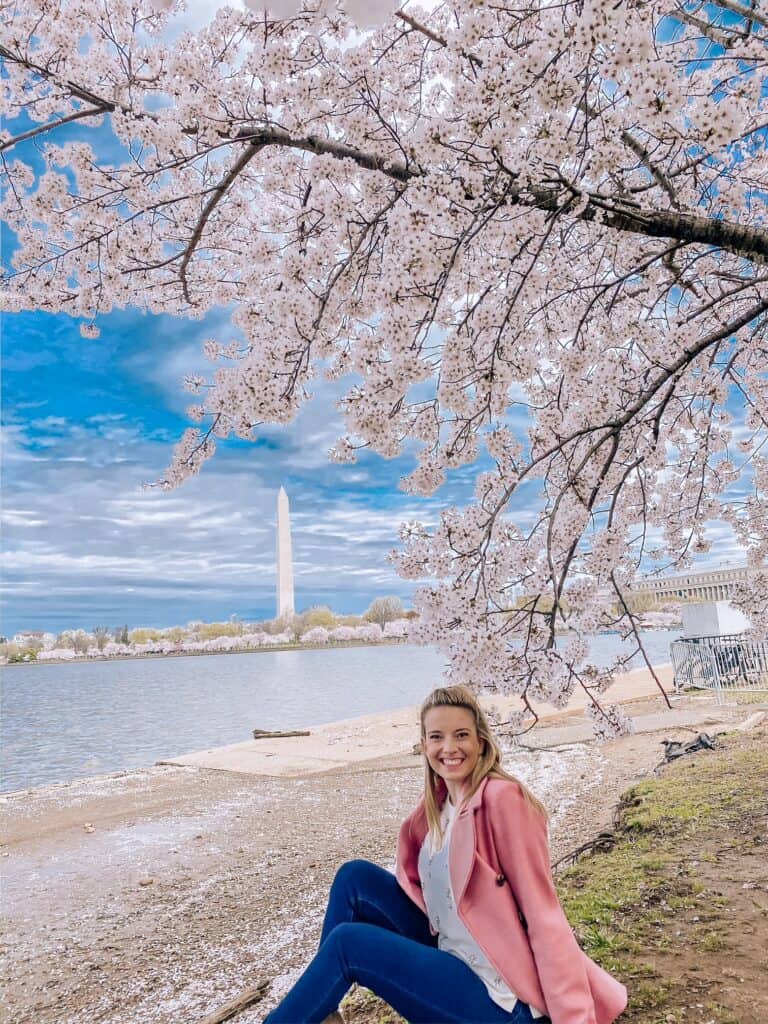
679, 907
155, 896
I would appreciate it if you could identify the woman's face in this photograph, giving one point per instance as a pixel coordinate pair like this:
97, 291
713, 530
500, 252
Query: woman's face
451, 744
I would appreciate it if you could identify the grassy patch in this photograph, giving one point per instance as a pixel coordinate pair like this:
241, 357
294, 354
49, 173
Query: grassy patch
362, 1007
748, 696
643, 895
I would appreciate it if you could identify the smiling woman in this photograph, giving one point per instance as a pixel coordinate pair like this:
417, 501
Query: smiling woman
470, 927
452, 746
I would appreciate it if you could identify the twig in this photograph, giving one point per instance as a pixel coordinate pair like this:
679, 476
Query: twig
603, 841
749, 13
425, 31
246, 998
51, 125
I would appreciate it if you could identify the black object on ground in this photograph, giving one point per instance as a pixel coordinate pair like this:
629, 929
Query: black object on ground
674, 749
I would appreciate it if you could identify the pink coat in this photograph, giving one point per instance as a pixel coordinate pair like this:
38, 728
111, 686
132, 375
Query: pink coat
502, 884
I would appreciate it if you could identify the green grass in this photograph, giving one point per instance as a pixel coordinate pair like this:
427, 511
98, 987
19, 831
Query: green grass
624, 903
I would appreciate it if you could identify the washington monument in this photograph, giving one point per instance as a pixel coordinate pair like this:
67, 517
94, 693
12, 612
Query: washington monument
284, 557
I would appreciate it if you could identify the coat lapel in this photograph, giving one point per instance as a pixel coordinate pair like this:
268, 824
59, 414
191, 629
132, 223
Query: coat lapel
462, 851
463, 844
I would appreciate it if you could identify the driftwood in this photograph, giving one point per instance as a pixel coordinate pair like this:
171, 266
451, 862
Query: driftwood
265, 734
246, 998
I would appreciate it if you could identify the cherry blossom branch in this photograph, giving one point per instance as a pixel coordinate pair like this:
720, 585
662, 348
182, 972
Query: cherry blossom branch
77, 91
339, 150
641, 152
217, 195
749, 12
739, 239
638, 638
613, 426
615, 213
51, 126
426, 31
712, 32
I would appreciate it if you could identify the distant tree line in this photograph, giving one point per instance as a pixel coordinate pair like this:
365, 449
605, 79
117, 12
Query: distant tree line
386, 618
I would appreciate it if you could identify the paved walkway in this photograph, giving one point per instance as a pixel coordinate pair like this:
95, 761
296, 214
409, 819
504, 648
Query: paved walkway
379, 738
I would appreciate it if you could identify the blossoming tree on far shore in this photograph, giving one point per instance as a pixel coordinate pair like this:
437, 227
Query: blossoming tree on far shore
532, 235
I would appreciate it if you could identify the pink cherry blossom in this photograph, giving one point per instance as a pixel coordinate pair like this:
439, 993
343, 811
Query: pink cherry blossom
531, 235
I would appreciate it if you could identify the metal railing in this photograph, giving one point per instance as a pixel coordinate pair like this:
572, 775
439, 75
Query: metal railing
729, 663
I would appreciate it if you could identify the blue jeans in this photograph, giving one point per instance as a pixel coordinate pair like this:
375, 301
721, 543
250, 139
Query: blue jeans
373, 934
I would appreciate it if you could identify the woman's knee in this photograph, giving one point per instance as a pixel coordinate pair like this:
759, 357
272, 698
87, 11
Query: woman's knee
343, 940
351, 873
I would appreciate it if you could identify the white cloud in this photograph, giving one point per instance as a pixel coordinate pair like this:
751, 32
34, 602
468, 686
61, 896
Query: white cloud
82, 536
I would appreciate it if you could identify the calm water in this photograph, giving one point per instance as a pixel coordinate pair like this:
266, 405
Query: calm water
62, 722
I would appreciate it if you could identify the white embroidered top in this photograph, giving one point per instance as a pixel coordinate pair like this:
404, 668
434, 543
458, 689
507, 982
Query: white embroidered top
453, 935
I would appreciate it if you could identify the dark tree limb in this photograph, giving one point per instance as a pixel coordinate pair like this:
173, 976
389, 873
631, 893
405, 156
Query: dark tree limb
747, 11
559, 197
218, 194
78, 115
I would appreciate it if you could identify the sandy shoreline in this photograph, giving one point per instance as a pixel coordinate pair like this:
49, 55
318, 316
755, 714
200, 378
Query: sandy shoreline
338, 744
154, 895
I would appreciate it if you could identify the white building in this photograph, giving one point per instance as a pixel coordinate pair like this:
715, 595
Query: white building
33, 636
709, 585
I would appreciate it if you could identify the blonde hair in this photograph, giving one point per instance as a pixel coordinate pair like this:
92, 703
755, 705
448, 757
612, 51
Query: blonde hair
488, 764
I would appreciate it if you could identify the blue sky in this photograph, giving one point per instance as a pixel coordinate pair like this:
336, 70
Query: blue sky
87, 423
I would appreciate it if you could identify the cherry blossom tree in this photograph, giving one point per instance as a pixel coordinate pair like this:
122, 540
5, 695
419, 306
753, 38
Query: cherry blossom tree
532, 235
316, 635
384, 609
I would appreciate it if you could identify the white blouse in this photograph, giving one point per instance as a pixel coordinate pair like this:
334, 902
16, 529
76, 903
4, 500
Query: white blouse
453, 935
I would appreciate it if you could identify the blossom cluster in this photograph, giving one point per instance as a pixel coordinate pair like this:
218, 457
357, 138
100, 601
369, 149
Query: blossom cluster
532, 236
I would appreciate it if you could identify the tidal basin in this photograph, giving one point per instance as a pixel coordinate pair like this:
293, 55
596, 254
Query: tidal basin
68, 721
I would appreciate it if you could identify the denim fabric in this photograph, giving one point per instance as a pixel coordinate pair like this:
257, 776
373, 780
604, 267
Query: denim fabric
374, 935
